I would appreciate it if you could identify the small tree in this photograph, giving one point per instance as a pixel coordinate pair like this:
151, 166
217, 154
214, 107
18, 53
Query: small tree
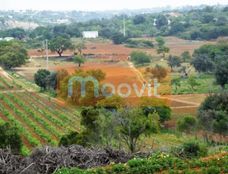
176, 82
174, 61
154, 105
185, 56
134, 124
9, 137
162, 49
40, 78
12, 54
193, 83
118, 38
69, 139
187, 124
112, 103
158, 72
79, 60
213, 113
221, 73
79, 47
60, 44
140, 57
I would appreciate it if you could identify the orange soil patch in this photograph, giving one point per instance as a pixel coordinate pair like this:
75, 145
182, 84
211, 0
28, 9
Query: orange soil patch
115, 74
216, 156
120, 52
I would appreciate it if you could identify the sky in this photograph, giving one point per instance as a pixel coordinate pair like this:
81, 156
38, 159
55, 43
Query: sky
99, 5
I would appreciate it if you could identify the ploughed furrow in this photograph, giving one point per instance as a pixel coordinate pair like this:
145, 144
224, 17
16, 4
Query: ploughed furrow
57, 125
43, 129
63, 109
24, 129
72, 122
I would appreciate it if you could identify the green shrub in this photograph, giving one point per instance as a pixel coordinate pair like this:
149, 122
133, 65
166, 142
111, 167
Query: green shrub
194, 149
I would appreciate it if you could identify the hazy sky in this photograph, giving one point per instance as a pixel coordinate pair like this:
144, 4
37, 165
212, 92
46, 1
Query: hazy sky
92, 5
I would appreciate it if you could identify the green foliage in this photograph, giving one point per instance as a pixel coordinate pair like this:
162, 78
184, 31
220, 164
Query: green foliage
174, 61
206, 57
9, 137
69, 139
206, 84
176, 83
158, 163
185, 56
113, 102
139, 43
158, 72
79, 60
134, 124
213, 113
194, 149
153, 105
60, 44
140, 57
17, 33
162, 49
187, 124
221, 73
139, 19
12, 54
40, 78
118, 38
192, 82
161, 21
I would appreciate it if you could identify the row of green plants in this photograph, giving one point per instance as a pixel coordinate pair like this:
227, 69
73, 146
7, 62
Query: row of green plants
6, 84
36, 117
56, 110
41, 111
23, 131
29, 121
61, 118
159, 163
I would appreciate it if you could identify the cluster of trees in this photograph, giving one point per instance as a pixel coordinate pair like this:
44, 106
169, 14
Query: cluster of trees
76, 98
112, 124
12, 54
10, 138
45, 79
213, 59
213, 114
207, 23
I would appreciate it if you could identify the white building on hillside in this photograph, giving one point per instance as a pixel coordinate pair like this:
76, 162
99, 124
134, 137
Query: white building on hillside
8, 38
90, 34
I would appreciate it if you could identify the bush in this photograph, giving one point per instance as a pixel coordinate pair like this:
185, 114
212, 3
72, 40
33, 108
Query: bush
9, 137
194, 149
140, 57
139, 43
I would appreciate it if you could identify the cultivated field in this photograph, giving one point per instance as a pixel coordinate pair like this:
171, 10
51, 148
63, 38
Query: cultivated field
39, 119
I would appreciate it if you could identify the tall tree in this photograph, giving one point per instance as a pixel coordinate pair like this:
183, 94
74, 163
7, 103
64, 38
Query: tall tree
10, 138
174, 61
221, 73
60, 44
12, 54
134, 124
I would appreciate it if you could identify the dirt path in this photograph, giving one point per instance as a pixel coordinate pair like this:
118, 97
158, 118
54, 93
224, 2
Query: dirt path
171, 98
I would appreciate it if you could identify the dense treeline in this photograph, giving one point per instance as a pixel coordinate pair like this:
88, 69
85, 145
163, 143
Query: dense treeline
199, 24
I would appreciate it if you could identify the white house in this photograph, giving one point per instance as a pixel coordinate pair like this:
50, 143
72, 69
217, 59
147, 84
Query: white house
90, 34
8, 38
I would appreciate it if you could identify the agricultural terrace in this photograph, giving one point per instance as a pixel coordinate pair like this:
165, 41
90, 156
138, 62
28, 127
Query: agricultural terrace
39, 119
